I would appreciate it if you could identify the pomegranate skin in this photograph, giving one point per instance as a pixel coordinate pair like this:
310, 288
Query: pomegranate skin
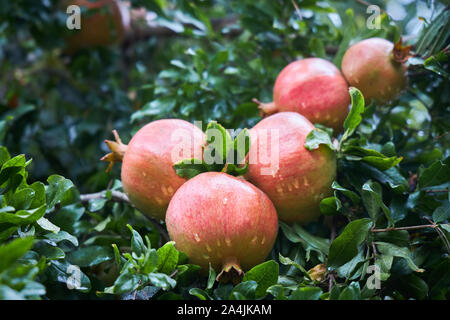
369, 65
148, 176
219, 219
316, 89
303, 177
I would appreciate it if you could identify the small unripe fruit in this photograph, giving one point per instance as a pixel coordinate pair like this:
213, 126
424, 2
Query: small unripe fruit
104, 23
313, 87
371, 66
219, 219
148, 176
297, 179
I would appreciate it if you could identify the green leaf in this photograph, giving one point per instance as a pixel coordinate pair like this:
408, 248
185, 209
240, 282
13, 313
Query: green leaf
167, 258
354, 117
436, 174
50, 252
265, 275
350, 293
91, 256
22, 199
396, 251
59, 190
47, 225
219, 145
137, 244
345, 246
371, 193
199, 293
245, 290
60, 236
317, 137
211, 278
67, 274
162, 281
330, 206
306, 293
12, 251
322, 245
277, 291
348, 193
382, 163
442, 213
189, 168
23, 217
127, 282
241, 146
288, 262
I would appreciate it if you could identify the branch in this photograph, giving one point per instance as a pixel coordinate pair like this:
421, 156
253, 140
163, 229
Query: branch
423, 226
118, 196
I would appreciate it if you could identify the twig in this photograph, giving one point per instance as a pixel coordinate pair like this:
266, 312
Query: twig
423, 226
118, 196
297, 9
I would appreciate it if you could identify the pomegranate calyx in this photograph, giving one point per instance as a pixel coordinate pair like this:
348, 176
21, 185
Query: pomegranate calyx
265, 109
118, 149
231, 271
400, 52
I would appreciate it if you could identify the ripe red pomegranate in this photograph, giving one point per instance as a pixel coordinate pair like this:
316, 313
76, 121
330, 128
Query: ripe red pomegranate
314, 88
294, 178
226, 221
376, 69
102, 24
148, 176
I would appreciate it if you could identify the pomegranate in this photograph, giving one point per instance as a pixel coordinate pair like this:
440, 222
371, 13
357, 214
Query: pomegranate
148, 176
294, 178
104, 23
376, 69
223, 220
314, 88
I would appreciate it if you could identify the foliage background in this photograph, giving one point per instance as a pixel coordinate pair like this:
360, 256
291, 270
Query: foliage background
214, 57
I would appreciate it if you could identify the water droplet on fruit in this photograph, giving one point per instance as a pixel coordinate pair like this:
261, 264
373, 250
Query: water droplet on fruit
208, 248
305, 182
263, 240
255, 238
228, 242
196, 237
279, 189
225, 200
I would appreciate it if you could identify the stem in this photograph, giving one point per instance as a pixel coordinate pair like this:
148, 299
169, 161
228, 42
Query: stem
265, 108
118, 196
332, 237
